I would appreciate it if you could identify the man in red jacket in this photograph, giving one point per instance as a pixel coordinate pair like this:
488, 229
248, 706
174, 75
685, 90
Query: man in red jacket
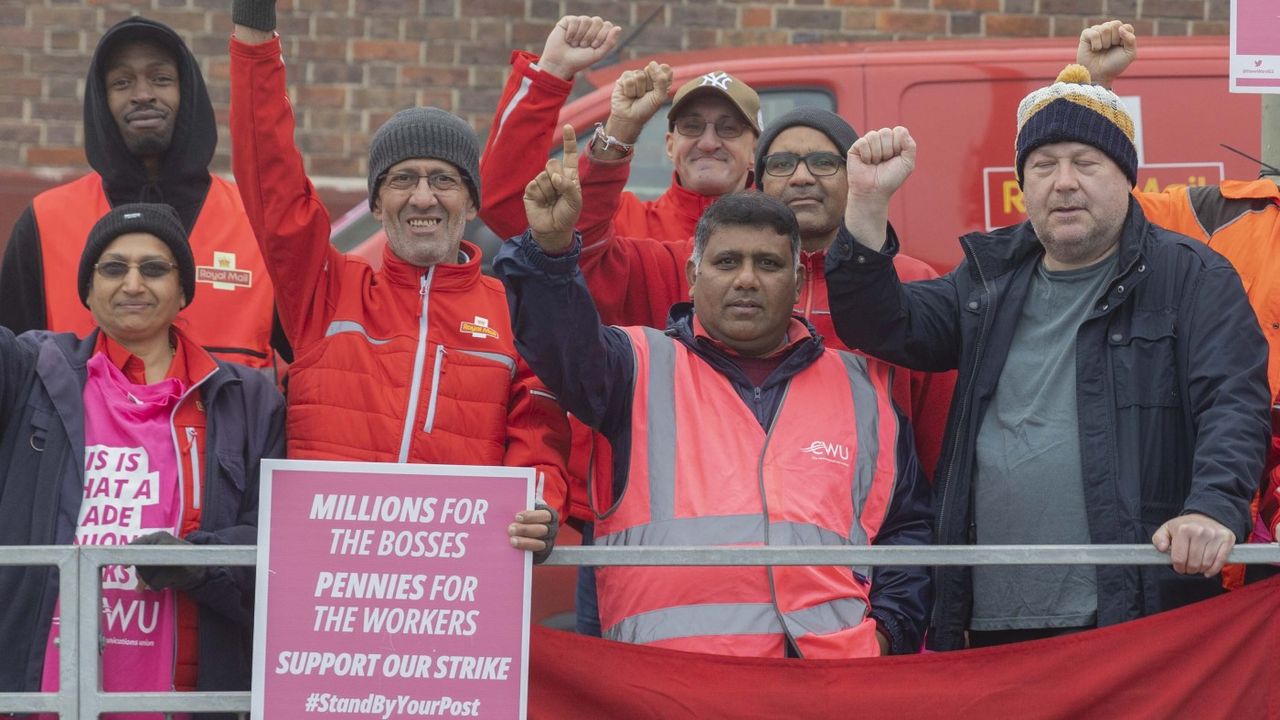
426, 339
712, 128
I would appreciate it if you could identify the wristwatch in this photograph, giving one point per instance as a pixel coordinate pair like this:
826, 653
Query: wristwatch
604, 141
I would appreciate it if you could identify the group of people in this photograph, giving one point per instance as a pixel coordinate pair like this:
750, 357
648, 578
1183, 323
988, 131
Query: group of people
747, 360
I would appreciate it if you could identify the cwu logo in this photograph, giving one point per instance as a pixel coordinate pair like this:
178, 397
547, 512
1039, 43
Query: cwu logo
828, 452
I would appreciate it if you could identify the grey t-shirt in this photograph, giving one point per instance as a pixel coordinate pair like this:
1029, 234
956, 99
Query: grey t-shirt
1028, 489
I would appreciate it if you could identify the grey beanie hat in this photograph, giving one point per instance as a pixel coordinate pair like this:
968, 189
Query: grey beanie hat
151, 218
824, 121
425, 132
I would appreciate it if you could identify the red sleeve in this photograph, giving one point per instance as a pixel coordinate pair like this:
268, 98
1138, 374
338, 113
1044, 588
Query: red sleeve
520, 139
633, 280
538, 437
288, 218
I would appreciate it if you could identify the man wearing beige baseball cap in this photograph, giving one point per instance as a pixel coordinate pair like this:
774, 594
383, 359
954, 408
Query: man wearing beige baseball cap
712, 127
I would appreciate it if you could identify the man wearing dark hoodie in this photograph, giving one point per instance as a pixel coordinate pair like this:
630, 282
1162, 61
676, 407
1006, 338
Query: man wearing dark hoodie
150, 133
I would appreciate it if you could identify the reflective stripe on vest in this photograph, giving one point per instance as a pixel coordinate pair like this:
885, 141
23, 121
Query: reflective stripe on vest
231, 313
719, 479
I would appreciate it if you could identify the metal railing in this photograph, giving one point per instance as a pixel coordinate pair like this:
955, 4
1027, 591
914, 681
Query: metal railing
80, 571
79, 688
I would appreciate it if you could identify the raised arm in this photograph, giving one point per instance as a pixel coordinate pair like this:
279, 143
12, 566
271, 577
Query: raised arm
878, 164
287, 216
587, 365
912, 325
1106, 50
524, 126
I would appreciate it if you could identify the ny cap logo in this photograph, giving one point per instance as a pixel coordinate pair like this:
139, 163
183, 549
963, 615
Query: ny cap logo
716, 79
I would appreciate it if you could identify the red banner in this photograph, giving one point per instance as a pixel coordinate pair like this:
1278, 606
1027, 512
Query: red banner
1215, 659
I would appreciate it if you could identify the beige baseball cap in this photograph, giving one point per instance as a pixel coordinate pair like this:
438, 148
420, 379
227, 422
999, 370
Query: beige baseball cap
720, 83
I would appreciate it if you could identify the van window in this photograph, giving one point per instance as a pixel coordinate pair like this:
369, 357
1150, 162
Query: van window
651, 170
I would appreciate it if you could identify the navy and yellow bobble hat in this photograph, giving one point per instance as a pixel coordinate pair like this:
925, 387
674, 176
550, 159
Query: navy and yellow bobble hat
1074, 110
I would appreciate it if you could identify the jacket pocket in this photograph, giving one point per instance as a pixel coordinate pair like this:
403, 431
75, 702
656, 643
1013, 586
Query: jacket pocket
471, 395
225, 485
1144, 361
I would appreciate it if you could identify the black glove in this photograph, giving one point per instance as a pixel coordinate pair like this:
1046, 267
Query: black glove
552, 528
257, 14
163, 577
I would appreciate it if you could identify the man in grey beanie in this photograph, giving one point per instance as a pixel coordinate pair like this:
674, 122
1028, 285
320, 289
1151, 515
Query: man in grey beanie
800, 161
414, 361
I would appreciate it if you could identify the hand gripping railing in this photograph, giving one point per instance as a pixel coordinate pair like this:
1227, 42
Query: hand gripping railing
80, 568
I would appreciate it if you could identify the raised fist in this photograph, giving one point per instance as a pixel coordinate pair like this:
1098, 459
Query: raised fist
1106, 50
637, 96
576, 43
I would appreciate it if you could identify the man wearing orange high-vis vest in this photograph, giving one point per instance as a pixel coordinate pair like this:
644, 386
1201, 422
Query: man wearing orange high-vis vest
150, 134
736, 427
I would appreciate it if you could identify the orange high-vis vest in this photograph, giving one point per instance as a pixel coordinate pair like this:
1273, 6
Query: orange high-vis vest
231, 313
1241, 220
703, 472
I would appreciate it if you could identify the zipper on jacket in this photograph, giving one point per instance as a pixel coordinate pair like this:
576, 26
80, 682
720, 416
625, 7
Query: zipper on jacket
435, 389
788, 641
808, 294
194, 453
964, 398
419, 358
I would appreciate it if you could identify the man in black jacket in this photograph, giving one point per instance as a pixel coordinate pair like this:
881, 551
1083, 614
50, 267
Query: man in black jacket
1112, 378
150, 133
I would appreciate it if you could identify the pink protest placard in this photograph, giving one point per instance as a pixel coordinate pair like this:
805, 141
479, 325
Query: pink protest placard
1255, 46
390, 591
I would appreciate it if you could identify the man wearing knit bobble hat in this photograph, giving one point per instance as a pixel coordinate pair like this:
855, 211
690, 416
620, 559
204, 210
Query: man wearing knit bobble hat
1111, 382
413, 362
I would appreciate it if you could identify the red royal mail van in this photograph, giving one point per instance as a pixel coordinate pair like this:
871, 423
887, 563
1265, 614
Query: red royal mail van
959, 99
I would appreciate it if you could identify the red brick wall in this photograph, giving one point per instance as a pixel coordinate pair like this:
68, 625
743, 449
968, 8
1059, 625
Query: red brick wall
353, 62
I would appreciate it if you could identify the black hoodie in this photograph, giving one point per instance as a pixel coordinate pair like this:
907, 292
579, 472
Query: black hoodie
184, 169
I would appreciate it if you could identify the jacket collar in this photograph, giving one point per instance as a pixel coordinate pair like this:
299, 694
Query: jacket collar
462, 274
61, 367
805, 350
1005, 249
685, 202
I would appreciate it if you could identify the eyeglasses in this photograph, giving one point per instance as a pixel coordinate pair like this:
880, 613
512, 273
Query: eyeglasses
695, 125
440, 182
820, 164
149, 269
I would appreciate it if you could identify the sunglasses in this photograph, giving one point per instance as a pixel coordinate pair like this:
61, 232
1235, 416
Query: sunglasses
150, 269
695, 125
820, 164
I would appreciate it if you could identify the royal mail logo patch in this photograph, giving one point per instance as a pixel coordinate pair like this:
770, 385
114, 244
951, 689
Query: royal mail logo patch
479, 328
223, 274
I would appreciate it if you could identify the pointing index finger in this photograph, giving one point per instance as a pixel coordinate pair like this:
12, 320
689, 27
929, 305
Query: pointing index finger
570, 149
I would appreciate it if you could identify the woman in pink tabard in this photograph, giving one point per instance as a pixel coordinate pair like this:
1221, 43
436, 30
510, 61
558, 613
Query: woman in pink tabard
133, 434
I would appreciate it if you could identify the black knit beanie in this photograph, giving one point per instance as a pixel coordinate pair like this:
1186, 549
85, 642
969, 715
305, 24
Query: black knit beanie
425, 132
154, 219
824, 121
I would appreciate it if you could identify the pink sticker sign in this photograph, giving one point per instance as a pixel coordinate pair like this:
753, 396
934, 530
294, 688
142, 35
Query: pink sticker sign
390, 591
1255, 46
